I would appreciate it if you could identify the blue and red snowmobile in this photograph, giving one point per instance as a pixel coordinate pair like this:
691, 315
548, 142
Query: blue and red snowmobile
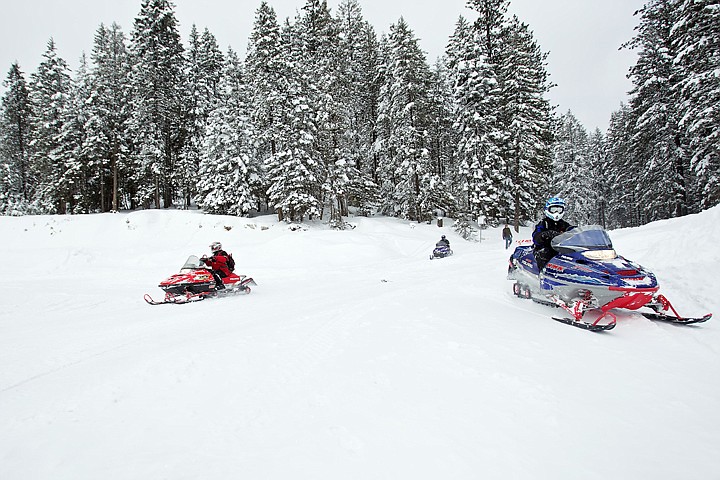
196, 282
441, 251
587, 274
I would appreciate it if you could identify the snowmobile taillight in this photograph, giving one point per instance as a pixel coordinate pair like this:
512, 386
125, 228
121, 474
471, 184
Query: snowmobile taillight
600, 254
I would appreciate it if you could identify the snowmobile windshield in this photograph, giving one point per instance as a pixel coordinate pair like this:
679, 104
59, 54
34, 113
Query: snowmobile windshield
581, 239
192, 263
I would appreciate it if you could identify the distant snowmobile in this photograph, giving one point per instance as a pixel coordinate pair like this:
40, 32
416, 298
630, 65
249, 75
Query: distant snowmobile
441, 251
587, 274
196, 282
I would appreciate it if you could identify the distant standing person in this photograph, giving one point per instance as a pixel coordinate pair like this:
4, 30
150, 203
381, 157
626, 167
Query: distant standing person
507, 236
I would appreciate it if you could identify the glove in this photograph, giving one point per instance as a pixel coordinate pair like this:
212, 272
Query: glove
550, 234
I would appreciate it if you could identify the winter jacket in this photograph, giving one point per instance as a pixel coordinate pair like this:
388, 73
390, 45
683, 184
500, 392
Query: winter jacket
219, 263
506, 233
544, 232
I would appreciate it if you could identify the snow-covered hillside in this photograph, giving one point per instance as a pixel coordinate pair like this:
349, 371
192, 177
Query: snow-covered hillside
355, 357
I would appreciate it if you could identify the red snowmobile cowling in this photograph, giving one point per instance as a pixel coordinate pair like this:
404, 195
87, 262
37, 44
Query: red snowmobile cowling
196, 282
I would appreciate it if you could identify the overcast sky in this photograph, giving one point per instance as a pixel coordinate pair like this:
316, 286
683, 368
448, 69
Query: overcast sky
582, 36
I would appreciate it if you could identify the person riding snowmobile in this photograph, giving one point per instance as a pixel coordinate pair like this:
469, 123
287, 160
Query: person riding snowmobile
443, 242
548, 228
221, 264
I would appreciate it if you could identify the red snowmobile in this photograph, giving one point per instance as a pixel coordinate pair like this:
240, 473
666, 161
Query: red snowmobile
196, 282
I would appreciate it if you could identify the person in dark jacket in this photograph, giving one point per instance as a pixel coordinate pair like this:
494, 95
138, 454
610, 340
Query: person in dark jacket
443, 242
548, 228
220, 264
507, 236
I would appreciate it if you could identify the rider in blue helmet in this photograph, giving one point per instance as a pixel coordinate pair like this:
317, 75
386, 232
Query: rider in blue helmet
548, 228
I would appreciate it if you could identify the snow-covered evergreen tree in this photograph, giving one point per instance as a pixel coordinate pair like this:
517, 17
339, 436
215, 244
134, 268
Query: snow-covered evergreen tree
295, 170
204, 65
358, 90
695, 40
227, 172
158, 83
598, 190
408, 180
107, 140
16, 182
657, 139
49, 88
322, 78
442, 138
526, 119
476, 103
620, 171
572, 174
489, 33
266, 71
79, 175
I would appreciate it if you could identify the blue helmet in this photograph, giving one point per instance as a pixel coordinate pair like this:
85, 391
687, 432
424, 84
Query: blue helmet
555, 208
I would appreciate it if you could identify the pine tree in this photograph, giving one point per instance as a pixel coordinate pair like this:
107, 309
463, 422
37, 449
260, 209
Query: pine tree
620, 170
79, 176
409, 184
657, 138
49, 87
572, 175
108, 141
526, 115
476, 103
203, 77
357, 93
695, 40
322, 76
295, 170
157, 123
598, 191
16, 182
442, 137
265, 68
227, 172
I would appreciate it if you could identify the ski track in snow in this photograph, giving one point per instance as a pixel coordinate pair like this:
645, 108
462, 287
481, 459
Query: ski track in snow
354, 357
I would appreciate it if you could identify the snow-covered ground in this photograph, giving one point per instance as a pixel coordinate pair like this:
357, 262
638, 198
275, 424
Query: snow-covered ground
355, 357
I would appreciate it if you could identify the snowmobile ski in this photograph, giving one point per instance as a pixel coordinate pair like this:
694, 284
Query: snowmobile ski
585, 325
174, 299
676, 320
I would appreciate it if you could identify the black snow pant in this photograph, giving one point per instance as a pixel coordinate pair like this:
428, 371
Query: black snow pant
543, 256
219, 285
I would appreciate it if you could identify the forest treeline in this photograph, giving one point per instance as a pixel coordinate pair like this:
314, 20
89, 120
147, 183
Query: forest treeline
322, 116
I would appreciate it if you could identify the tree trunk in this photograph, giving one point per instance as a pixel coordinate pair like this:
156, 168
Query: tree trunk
115, 186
